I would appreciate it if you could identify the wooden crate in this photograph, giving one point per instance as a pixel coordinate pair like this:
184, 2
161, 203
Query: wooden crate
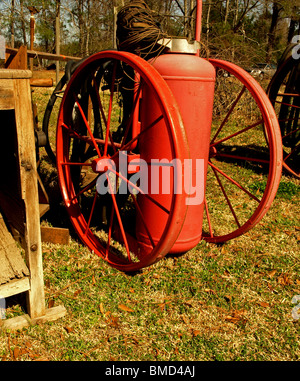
19, 200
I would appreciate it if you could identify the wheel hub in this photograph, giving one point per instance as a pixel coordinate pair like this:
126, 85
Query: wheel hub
212, 151
103, 164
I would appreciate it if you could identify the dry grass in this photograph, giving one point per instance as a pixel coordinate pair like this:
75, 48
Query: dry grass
229, 302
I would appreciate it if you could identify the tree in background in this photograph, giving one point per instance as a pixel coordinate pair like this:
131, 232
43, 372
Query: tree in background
243, 31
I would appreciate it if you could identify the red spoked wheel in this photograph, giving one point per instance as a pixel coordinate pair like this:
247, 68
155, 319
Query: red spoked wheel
245, 159
284, 93
100, 125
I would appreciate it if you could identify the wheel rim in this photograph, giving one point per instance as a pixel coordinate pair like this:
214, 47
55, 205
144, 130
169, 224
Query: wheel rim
244, 166
50, 118
284, 93
52, 109
114, 240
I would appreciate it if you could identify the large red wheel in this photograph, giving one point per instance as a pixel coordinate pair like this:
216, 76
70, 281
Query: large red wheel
284, 93
89, 162
245, 160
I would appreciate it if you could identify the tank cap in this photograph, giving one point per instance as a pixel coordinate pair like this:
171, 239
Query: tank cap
180, 45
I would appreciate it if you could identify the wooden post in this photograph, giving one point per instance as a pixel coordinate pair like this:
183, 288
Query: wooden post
29, 189
57, 37
32, 11
12, 25
19, 197
18, 61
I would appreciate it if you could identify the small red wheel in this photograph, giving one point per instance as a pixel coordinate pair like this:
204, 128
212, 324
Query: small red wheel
108, 222
245, 160
284, 93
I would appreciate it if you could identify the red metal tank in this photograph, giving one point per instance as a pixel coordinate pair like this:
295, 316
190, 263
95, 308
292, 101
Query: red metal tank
192, 81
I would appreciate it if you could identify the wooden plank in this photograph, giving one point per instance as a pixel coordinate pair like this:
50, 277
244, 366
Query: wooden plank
19, 322
6, 272
55, 235
29, 193
11, 262
19, 60
43, 55
43, 208
6, 94
14, 287
41, 82
14, 74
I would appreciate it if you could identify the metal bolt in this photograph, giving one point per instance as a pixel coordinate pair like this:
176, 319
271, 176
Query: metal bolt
33, 247
27, 166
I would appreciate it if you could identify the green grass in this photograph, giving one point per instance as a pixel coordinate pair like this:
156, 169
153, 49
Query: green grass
286, 190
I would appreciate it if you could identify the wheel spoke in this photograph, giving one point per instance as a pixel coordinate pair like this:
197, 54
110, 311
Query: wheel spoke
291, 133
293, 151
112, 90
226, 197
85, 189
134, 110
228, 114
91, 213
77, 164
87, 125
111, 143
238, 133
109, 231
287, 104
234, 182
288, 95
143, 220
140, 191
74, 134
118, 217
288, 120
208, 218
245, 158
128, 144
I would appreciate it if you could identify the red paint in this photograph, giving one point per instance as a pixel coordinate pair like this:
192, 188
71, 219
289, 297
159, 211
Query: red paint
191, 80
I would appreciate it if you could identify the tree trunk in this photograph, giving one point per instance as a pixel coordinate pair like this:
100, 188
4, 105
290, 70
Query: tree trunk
272, 31
236, 16
88, 28
185, 18
226, 12
23, 22
207, 22
57, 36
294, 24
12, 23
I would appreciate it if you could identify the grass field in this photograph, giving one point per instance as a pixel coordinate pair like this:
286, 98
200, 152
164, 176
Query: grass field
229, 302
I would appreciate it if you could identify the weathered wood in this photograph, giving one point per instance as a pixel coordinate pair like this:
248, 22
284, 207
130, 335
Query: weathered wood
14, 74
41, 82
14, 287
43, 55
29, 193
6, 95
55, 235
23, 321
19, 60
10, 255
43, 208
19, 201
6, 272
12, 264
